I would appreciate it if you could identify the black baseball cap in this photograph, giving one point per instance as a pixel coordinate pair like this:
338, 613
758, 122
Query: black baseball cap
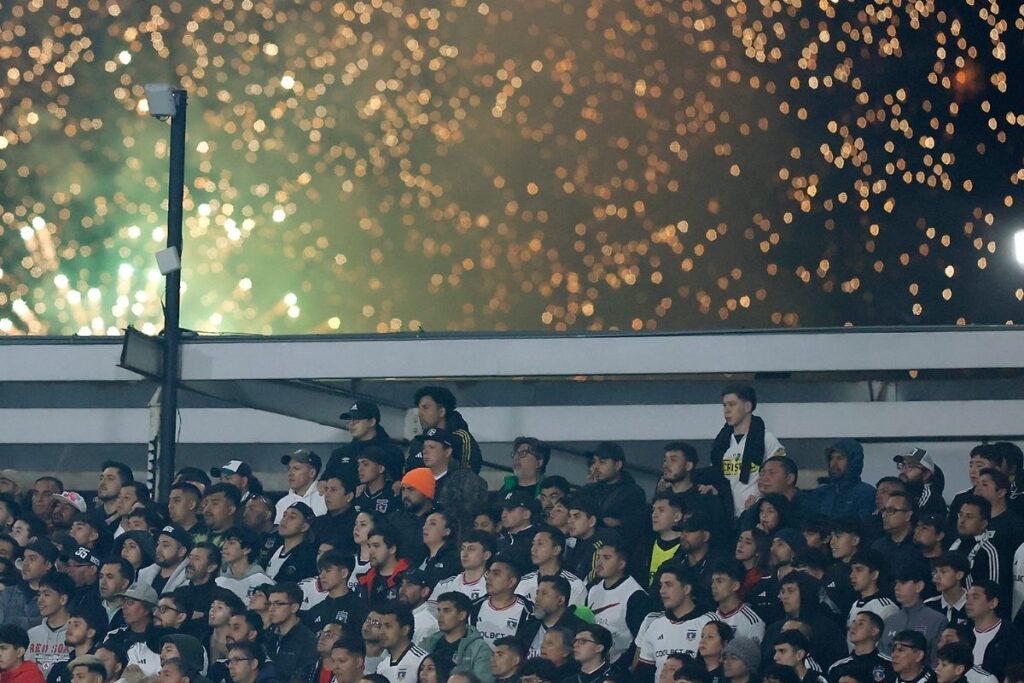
303, 509
695, 522
417, 577
520, 499
609, 450
177, 533
42, 546
439, 435
82, 555
305, 457
362, 410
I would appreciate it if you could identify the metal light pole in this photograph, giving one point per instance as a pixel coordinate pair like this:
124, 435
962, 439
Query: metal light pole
170, 102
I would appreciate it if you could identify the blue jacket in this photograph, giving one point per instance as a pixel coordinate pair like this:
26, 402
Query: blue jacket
847, 496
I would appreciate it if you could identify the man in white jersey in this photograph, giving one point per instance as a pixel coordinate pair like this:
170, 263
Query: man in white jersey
742, 445
726, 581
546, 554
865, 569
402, 659
502, 613
475, 551
618, 602
677, 629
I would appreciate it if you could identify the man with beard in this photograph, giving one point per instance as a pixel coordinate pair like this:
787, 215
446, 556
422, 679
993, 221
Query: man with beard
695, 544
698, 488
83, 633
380, 585
43, 500
202, 567
220, 510
413, 593
551, 609
677, 629
623, 504
842, 493
924, 480
113, 476
168, 571
371, 636
66, 505
435, 408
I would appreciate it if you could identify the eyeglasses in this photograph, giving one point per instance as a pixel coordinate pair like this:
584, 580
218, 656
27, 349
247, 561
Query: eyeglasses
238, 660
164, 609
893, 511
522, 453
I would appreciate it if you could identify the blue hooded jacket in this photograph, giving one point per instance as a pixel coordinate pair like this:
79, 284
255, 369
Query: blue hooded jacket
847, 496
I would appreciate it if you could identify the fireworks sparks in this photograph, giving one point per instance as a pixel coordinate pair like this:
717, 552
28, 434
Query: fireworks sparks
383, 165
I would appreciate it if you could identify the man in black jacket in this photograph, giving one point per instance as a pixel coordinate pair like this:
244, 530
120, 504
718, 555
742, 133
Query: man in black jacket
865, 663
623, 503
435, 407
997, 642
291, 645
363, 423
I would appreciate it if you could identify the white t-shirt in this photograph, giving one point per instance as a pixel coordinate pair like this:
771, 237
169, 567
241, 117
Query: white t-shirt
577, 589
493, 623
744, 621
610, 607
982, 639
312, 593
244, 587
660, 636
313, 499
406, 669
425, 623
474, 590
732, 462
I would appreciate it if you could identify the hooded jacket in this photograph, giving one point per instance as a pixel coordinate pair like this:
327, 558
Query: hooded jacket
473, 653
928, 496
243, 586
147, 546
177, 578
827, 641
18, 606
27, 672
191, 651
846, 496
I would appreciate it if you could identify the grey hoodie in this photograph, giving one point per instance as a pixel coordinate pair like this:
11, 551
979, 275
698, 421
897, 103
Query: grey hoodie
147, 574
243, 586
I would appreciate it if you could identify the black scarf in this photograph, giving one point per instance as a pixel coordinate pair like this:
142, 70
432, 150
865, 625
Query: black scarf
753, 449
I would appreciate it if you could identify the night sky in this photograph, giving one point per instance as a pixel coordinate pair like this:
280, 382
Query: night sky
537, 165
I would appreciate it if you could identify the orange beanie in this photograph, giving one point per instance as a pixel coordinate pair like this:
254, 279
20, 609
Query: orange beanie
421, 479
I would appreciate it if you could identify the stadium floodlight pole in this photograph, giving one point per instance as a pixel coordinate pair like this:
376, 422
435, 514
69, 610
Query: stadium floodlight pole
167, 102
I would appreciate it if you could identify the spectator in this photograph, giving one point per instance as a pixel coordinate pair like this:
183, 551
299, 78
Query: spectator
139, 632
172, 609
726, 580
997, 643
546, 553
475, 552
954, 662
89, 530
844, 542
363, 423
1005, 526
438, 535
133, 495
371, 637
617, 600
188, 650
258, 517
220, 510
116, 575
292, 646
458, 490
924, 480
557, 648
402, 659
530, 458
740, 458
949, 576
10, 483
799, 597
348, 660
974, 542
910, 656
223, 605
14, 668
551, 609
378, 489
82, 635
759, 589
240, 475
325, 639
778, 477
520, 513
503, 613
194, 476
245, 663
700, 488
695, 542
457, 645
537, 670
842, 493
336, 525
137, 547
588, 539
667, 511
981, 457
239, 574
66, 505
592, 650
201, 568
897, 543
295, 559
964, 635
114, 659
506, 660
303, 473
413, 593
772, 513
866, 570
714, 637
792, 650
914, 615
741, 660
552, 490
168, 571
47, 640
381, 583
677, 629
930, 535
436, 409
786, 545
183, 505
176, 670
884, 487
865, 662
339, 603
18, 604
622, 503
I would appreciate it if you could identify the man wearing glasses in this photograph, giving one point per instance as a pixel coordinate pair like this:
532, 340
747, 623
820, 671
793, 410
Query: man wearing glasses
292, 646
908, 658
924, 480
245, 660
591, 648
897, 542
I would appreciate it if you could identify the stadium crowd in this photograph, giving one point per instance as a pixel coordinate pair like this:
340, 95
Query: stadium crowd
382, 565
